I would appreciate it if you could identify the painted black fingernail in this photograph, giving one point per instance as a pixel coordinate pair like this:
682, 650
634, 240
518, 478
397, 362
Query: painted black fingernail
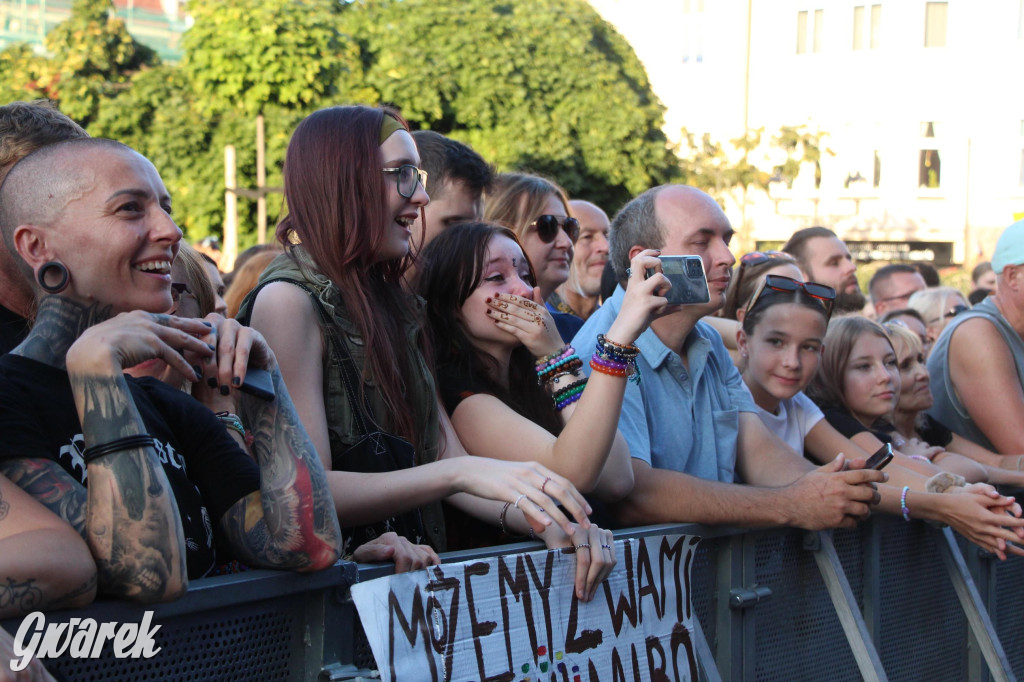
208, 325
237, 381
211, 347
224, 390
211, 382
198, 370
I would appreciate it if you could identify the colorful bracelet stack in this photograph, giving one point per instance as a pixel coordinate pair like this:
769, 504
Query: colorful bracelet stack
558, 363
566, 396
903, 503
234, 423
615, 359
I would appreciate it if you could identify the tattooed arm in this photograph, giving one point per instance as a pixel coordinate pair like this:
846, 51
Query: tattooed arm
30, 538
290, 521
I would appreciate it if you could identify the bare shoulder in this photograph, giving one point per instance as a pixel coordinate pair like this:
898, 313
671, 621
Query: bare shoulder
282, 299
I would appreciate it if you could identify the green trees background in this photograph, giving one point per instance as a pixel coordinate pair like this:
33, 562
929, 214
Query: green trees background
541, 85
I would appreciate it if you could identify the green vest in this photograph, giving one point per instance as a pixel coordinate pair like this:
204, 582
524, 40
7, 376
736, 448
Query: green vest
341, 425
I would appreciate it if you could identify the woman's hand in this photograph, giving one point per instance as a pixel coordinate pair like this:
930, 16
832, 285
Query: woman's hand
529, 321
237, 348
644, 298
914, 447
536, 490
595, 555
133, 338
989, 520
393, 547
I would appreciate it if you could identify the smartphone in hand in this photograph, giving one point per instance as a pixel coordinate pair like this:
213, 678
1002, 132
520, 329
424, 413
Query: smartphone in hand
689, 282
881, 457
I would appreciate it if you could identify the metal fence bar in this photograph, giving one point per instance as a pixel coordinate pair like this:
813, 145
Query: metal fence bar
977, 616
846, 608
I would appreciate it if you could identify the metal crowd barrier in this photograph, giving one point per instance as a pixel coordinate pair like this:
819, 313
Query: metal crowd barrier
887, 601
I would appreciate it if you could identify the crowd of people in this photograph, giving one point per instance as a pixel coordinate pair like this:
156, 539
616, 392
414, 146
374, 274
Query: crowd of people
436, 356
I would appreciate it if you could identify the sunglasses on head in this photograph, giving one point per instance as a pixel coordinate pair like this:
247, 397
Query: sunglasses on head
758, 257
548, 226
780, 283
407, 176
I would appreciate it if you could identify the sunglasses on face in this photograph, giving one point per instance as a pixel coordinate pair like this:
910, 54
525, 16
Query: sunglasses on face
822, 292
407, 177
548, 226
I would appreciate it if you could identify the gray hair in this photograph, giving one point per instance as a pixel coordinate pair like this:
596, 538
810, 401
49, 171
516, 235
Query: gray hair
636, 224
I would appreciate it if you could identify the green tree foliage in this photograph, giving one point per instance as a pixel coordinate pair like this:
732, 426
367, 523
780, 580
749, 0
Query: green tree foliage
544, 85
89, 57
801, 146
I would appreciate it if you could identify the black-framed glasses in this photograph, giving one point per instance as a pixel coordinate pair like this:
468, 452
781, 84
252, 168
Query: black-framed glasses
781, 283
548, 226
407, 176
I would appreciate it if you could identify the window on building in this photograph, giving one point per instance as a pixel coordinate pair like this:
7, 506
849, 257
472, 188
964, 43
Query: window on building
935, 24
929, 167
876, 171
810, 31
867, 25
693, 31
801, 32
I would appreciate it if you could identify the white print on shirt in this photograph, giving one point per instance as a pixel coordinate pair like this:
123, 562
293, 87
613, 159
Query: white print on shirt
82, 638
73, 452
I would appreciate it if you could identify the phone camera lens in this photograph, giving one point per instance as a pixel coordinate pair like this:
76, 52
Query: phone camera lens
693, 269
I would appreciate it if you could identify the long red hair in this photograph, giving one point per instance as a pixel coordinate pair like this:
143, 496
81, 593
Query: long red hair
336, 199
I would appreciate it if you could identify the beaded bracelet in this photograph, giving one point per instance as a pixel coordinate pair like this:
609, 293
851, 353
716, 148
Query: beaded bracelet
608, 346
614, 358
563, 352
140, 440
234, 422
599, 364
568, 364
903, 503
569, 394
501, 524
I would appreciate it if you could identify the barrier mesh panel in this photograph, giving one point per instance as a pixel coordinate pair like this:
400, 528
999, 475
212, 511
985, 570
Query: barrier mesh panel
252, 644
849, 546
798, 623
923, 631
702, 587
1008, 613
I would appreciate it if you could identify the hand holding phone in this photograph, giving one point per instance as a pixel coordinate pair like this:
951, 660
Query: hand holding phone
689, 282
881, 458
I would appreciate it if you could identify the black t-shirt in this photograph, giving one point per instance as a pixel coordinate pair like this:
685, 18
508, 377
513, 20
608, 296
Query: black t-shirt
13, 330
846, 424
934, 433
207, 470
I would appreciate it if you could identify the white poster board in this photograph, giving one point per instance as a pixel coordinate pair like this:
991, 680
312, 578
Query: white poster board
516, 618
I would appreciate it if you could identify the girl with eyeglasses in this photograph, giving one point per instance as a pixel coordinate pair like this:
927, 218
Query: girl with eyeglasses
857, 386
351, 343
537, 211
503, 369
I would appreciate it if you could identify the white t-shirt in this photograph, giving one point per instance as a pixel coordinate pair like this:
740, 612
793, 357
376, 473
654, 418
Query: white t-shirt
796, 417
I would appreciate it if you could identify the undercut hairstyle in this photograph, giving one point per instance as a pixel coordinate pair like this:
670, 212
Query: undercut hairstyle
902, 312
196, 278
28, 126
449, 270
336, 198
745, 281
517, 199
797, 244
636, 224
885, 272
770, 297
37, 187
829, 385
446, 159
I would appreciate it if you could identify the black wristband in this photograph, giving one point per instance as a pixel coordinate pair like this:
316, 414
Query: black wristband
140, 440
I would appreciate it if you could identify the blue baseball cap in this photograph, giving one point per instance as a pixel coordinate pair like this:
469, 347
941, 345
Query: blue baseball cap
1009, 248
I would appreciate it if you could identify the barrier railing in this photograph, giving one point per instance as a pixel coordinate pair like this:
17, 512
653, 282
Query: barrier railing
886, 601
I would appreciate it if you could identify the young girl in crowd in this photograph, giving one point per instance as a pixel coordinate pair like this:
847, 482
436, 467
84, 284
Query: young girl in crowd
909, 420
537, 211
503, 368
351, 344
782, 342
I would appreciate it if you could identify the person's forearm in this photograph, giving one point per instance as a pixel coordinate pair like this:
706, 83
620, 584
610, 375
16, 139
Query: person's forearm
37, 581
132, 522
300, 528
581, 451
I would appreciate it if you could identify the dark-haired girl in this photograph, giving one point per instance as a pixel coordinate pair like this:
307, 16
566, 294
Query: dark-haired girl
334, 304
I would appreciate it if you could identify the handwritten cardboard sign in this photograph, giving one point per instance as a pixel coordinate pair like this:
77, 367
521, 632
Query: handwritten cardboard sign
516, 618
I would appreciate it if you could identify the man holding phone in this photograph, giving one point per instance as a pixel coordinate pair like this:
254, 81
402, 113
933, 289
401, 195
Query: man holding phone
691, 424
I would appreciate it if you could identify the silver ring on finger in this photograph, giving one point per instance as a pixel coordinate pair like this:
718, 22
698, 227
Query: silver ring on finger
518, 500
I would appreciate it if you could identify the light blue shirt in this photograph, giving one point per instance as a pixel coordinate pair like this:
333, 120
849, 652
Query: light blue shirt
677, 418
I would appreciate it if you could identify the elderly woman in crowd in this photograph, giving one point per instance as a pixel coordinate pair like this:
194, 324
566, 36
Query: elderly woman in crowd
91, 221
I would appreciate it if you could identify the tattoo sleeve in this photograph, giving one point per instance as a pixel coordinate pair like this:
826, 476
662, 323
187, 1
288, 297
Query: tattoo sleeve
132, 521
291, 522
51, 486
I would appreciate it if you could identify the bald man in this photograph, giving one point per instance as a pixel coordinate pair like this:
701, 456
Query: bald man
579, 295
691, 424
24, 128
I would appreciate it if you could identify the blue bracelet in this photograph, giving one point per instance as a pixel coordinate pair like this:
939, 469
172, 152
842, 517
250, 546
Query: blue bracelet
903, 503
